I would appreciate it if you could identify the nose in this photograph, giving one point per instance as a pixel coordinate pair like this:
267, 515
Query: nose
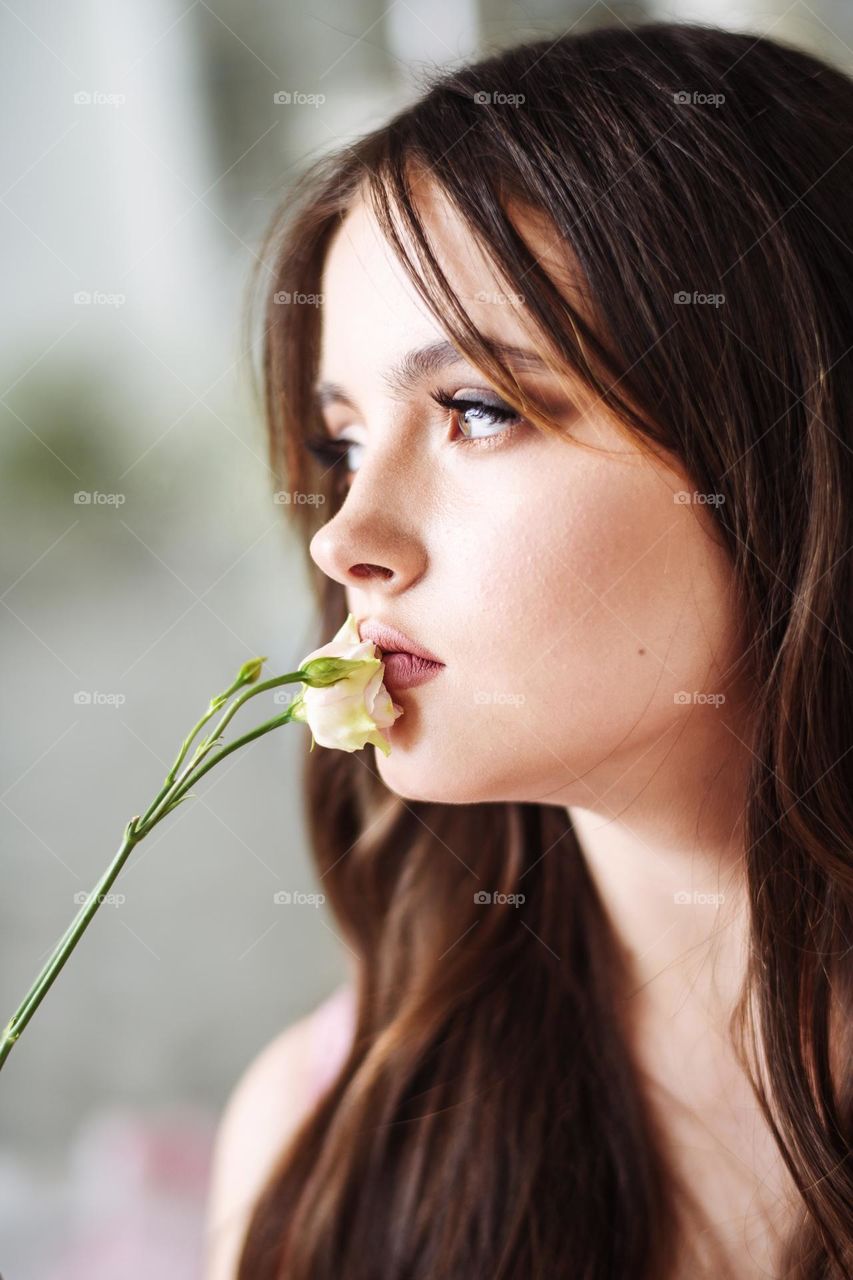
369, 544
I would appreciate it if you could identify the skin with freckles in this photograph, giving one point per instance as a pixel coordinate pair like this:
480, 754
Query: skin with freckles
585, 617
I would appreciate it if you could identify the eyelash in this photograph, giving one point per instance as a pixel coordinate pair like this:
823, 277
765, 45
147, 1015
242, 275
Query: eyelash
501, 413
329, 452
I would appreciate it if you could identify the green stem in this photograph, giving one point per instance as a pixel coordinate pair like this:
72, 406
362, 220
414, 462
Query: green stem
164, 801
62, 951
181, 790
215, 704
291, 678
171, 793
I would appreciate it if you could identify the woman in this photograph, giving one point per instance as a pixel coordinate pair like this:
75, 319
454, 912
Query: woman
563, 379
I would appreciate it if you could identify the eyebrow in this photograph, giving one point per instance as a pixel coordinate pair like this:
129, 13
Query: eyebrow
424, 362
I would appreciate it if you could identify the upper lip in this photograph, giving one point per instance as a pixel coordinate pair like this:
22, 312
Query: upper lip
390, 640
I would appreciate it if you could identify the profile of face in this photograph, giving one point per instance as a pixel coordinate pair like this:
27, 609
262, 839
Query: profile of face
580, 605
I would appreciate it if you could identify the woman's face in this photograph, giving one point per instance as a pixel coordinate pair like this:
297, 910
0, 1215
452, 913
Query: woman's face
580, 607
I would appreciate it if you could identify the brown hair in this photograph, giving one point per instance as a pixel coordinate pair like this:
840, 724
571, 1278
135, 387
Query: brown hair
488, 1120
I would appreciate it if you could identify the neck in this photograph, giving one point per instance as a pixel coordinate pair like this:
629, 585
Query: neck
665, 849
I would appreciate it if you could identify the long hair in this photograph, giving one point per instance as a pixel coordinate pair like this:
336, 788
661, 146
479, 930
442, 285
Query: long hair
488, 1120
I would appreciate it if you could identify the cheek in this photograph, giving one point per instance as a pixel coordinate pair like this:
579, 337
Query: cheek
574, 620
622, 604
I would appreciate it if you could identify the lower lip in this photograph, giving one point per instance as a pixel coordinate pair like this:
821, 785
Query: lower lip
404, 670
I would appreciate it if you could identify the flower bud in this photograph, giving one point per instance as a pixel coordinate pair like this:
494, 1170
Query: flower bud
321, 672
250, 670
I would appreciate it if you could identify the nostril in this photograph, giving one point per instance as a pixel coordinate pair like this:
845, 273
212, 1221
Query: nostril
371, 571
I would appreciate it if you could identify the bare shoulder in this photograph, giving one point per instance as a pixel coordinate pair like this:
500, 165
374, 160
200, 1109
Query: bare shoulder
263, 1111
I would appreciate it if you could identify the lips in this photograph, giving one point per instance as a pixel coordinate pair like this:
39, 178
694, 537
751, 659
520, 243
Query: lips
392, 641
405, 671
406, 663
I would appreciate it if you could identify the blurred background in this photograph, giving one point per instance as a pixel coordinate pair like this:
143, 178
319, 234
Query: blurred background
143, 559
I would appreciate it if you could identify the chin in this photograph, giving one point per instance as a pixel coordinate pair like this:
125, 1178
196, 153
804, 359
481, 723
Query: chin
411, 780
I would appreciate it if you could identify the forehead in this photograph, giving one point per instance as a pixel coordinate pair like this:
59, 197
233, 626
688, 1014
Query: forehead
372, 310
372, 307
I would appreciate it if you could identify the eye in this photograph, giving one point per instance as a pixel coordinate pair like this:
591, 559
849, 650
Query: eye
498, 418
472, 413
331, 453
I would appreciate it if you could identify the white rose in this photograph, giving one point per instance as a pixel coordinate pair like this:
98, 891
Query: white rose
353, 711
